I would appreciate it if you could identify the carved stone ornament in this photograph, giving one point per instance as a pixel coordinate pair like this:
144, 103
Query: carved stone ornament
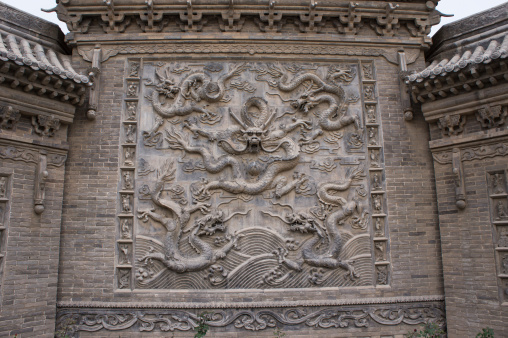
8, 117
126, 226
240, 171
498, 183
45, 125
491, 116
94, 73
72, 321
3, 188
382, 274
451, 124
41, 175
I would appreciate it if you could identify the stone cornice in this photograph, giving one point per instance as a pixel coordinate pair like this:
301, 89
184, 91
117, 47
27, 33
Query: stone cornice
307, 16
267, 304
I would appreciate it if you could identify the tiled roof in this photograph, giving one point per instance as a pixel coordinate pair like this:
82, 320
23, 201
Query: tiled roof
495, 49
24, 52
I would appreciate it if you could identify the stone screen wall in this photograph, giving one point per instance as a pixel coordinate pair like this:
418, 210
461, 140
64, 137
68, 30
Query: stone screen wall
258, 185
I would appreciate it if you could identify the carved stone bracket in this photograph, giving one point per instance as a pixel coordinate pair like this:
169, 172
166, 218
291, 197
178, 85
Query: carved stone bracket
192, 20
387, 24
114, 22
458, 176
9, 117
231, 20
45, 125
311, 21
386, 18
491, 116
41, 175
350, 23
270, 21
71, 321
94, 73
150, 21
404, 88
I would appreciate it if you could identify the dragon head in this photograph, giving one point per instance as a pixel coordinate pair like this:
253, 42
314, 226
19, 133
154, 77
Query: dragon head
212, 223
253, 137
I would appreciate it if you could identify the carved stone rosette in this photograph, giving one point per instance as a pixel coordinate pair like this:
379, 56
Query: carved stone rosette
498, 193
241, 175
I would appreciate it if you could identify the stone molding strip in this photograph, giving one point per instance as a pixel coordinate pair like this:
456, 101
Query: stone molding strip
245, 48
266, 304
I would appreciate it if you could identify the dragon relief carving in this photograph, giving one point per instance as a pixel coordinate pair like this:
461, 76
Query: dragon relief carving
220, 144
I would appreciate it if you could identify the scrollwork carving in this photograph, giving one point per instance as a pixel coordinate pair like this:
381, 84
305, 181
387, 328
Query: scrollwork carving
478, 153
95, 320
19, 154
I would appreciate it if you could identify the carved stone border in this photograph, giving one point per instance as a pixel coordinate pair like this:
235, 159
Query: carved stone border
124, 247
5, 212
498, 202
72, 320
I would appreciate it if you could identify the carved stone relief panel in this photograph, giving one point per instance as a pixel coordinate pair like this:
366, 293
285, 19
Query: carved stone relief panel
251, 175
5, 196
496, 181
